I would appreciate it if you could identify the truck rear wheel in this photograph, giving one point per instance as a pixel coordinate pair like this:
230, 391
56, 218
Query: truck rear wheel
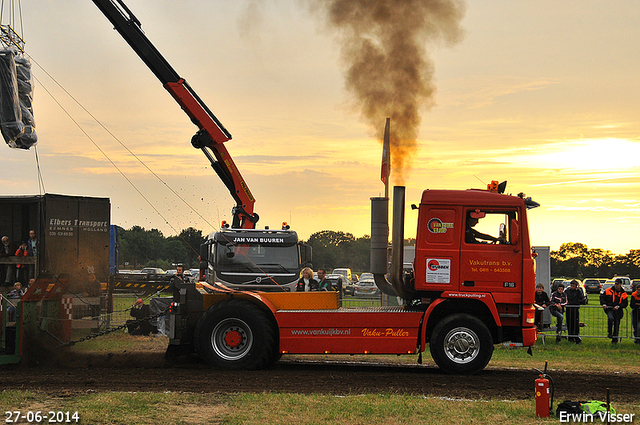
235, 334
461, 344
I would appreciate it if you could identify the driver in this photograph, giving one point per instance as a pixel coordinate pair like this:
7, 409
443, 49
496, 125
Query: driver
471, 235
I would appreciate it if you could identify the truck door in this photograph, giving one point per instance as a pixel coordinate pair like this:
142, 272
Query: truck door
438, 248
491, 254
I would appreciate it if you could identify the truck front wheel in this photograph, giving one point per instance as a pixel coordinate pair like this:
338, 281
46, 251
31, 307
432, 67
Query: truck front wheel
235, 334
461, 344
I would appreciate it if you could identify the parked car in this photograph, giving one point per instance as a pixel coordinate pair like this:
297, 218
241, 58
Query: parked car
626, 284
363, 277
152, 270
346, 272
366, 288
333, 279
592, 285
195, 274
348, 288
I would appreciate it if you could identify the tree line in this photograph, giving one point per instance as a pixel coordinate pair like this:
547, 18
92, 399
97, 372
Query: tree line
579, 261
331, 249
140, 248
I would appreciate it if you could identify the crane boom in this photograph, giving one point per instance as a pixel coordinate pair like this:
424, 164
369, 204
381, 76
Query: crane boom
212, 134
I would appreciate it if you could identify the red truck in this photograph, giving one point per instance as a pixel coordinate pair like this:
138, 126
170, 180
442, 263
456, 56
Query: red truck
468, 289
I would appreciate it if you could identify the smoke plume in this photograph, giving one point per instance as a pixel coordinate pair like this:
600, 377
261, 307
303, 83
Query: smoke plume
388, 69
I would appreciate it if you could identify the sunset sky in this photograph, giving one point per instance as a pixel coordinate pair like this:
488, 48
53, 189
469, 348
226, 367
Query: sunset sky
542, 94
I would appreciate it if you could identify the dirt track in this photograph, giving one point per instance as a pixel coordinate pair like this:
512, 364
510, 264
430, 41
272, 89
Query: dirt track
137, 371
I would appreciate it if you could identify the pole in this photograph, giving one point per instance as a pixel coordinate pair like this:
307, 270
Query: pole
386, 159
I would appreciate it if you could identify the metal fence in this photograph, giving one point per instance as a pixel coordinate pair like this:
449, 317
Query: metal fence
122, 304
91, 312
592, 324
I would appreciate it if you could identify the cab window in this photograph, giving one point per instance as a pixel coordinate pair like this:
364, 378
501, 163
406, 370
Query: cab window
488, 227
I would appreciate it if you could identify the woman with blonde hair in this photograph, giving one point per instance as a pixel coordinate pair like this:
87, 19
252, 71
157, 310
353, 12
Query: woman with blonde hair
307, 283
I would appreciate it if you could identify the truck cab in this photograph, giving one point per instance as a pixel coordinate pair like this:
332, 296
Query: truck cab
473, 241
256, 259
474, 245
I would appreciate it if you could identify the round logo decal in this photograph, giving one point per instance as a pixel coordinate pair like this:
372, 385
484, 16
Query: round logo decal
435, 225
433, 265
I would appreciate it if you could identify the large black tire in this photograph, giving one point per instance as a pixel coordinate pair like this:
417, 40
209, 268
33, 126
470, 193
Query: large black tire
461, 344
235, 334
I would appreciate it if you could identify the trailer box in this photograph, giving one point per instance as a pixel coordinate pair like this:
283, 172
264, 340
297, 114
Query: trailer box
72, 231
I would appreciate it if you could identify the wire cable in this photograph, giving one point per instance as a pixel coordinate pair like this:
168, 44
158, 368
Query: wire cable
41, 189
105, 155
117, 140
132, 154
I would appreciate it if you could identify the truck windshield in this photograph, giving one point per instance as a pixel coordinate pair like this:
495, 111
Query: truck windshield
250, 257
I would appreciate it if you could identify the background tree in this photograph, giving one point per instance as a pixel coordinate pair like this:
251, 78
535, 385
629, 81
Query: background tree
577, 260
361, 254
191, 239
330, 249
175, 252
140, 248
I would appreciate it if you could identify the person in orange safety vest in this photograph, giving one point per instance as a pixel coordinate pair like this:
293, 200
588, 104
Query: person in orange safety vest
635, 313
614, 300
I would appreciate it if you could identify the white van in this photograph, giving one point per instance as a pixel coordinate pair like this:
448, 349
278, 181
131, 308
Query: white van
344, 272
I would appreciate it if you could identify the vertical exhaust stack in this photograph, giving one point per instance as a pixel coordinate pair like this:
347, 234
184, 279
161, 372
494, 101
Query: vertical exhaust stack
380, 243
379, 235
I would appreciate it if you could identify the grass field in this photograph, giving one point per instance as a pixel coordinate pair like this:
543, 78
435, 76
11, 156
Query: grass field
277, 408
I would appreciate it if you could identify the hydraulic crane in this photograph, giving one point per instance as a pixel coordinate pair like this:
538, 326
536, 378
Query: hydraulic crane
241, 256
212, 135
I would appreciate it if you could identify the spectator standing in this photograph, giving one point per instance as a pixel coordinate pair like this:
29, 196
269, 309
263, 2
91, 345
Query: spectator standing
32, 248
575, 298
635, 314
614, 301
542, 301
307, 283
15, 295
7, 249
323, 283
558, 300
22, 269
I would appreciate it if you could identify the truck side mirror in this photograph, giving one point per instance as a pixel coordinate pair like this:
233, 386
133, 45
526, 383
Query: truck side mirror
204, 252
515, 231
305, 254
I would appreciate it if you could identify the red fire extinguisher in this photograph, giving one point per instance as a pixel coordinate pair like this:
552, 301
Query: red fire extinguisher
544, 393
